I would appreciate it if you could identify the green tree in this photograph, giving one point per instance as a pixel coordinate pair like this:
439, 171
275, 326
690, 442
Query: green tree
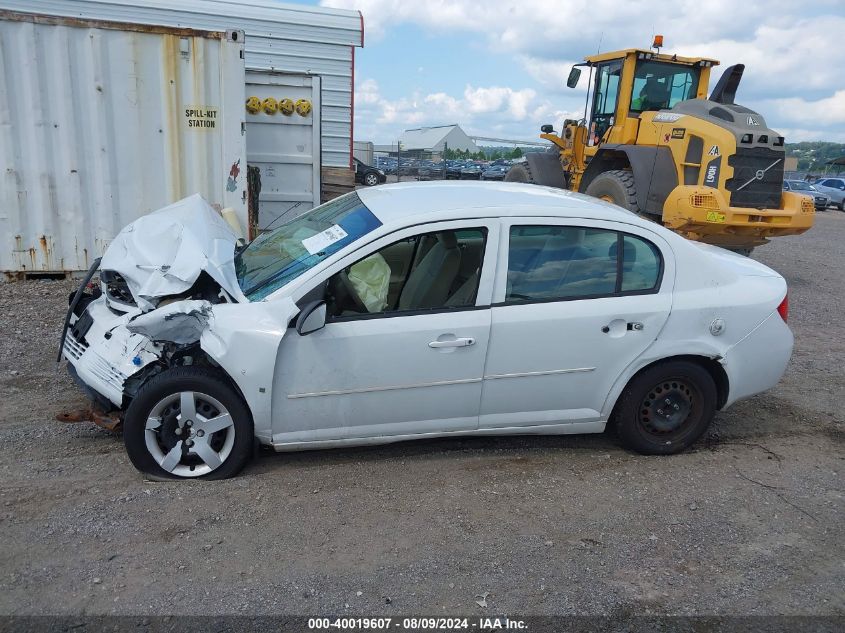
515, 153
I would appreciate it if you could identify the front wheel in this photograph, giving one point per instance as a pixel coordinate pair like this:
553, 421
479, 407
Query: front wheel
188, 422
666, 408
615, 186
371, 179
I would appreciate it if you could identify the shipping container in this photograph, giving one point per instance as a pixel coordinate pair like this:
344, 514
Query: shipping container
364, 151
284, 38
283, 146
102, 122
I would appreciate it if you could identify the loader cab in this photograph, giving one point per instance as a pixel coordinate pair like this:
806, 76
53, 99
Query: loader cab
627, 83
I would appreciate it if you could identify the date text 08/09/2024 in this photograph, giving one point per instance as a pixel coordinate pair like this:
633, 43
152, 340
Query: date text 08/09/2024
418, 623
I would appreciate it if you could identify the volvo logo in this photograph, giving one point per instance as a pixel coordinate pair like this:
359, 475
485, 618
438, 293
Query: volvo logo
759, 175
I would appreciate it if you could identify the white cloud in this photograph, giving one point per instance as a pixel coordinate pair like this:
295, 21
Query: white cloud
789, 49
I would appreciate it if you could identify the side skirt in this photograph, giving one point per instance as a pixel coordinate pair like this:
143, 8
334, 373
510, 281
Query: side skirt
549, 429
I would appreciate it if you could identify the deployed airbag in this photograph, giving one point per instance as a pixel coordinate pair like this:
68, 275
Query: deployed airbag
371, 279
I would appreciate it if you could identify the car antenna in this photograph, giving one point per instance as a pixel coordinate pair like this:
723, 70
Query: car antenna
267, 228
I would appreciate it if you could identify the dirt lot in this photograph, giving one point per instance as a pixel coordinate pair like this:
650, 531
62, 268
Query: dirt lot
748, 523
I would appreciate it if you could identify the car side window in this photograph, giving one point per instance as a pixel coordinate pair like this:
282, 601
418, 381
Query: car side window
565, 262
641, 265
431, 271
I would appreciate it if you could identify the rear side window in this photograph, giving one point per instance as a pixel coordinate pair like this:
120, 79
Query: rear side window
641, 264
547, 263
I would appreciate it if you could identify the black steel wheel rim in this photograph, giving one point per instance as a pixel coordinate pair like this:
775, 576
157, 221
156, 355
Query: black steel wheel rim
669, 408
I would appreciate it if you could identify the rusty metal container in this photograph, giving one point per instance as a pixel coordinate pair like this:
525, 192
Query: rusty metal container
102, 122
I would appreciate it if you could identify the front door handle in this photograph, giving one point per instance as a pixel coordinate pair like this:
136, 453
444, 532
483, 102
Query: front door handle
458, 342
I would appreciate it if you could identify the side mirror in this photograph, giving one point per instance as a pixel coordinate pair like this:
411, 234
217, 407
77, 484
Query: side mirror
311, 318
574, 76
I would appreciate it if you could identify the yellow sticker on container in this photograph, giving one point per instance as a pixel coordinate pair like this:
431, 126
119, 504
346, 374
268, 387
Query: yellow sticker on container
715, 216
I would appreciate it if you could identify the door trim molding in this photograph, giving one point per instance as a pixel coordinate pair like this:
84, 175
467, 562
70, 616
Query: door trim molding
549, 372
343, 392
438, 383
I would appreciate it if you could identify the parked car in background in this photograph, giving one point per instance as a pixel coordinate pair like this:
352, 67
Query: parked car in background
833, 188
820, 200
407, 167
386, 164
431, 171
367, 174
471, 172
453, 170
494, 172
418, 310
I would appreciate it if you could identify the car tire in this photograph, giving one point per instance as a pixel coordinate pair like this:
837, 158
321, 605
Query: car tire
371, 179
216, 444
617, 187
665, 408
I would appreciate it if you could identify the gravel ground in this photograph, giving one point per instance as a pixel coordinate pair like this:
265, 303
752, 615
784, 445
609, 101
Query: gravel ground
750, 522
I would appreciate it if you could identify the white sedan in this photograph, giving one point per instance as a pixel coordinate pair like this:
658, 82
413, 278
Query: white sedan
418, 310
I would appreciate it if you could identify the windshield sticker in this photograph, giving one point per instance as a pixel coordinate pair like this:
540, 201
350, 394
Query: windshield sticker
320, 241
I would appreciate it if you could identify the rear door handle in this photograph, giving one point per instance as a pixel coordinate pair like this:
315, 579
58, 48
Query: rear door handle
630, 326
458, 342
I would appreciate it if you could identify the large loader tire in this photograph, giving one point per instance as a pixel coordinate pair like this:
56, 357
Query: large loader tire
615, 186
520, 172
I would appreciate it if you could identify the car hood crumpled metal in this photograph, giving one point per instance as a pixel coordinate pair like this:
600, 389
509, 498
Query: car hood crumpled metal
164, 252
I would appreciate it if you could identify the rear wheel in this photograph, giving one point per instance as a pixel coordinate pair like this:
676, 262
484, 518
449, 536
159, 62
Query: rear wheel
186, 423
520, 172
617, 187
666, 408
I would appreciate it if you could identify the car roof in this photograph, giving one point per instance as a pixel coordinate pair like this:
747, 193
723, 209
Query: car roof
412, 202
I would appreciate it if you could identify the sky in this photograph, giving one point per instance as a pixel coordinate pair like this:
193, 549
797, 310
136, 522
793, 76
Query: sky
498, 67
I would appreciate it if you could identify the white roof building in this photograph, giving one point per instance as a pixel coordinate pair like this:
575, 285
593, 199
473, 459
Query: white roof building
436, 139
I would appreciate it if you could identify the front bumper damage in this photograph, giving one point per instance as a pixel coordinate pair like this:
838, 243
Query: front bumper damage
115, 355
110, 347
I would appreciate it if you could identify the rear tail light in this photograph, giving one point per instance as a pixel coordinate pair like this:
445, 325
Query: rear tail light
783, 309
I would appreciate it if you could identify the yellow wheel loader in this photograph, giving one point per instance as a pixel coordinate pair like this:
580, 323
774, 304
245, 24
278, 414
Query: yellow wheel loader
653, 142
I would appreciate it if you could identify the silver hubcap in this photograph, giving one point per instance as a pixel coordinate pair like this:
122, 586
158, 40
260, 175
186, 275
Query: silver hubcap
371, 180
189, 433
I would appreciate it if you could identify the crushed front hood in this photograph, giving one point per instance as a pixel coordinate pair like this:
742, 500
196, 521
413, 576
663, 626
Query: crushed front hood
164, 252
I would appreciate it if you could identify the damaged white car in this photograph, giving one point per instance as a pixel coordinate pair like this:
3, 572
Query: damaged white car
414, 311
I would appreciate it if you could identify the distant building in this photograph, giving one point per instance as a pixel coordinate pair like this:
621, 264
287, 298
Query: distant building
422, 142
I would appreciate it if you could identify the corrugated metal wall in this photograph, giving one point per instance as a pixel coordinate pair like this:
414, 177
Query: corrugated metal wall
287, 38
99, 126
